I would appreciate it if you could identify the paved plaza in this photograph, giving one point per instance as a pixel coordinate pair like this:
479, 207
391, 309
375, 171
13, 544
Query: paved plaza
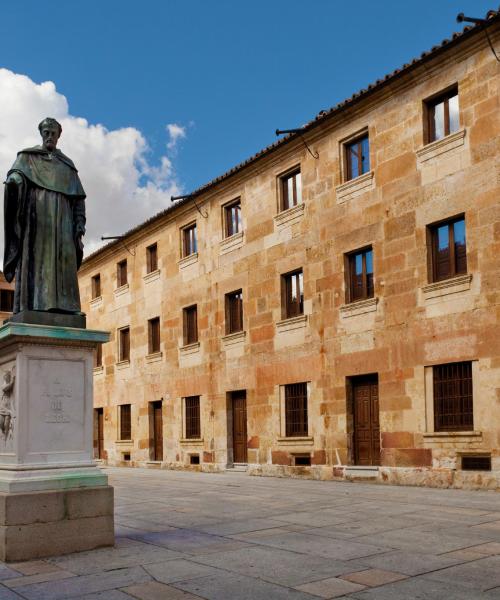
185, 536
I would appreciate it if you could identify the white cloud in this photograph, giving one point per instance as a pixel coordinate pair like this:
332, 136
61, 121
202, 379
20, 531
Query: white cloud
123, 188
176, 133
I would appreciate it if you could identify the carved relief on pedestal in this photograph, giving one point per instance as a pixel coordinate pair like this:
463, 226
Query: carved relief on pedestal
7, 407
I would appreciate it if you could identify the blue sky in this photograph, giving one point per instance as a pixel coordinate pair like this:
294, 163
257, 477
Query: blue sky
230, 72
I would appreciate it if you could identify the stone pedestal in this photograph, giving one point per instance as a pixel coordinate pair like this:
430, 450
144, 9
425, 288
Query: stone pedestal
53, 497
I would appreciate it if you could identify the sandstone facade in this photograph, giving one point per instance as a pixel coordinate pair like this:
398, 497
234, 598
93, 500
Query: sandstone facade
397, 336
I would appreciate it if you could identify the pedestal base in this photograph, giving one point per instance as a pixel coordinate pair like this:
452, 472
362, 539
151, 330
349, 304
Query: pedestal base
53, 498
48, 523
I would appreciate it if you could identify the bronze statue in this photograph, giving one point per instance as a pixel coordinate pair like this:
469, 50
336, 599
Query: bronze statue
44, 210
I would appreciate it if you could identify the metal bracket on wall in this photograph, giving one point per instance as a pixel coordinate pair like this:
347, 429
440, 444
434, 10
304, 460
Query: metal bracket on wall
118, 237
299, 133
193, 198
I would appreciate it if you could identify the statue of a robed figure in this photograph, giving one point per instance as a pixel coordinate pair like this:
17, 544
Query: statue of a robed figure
44, 210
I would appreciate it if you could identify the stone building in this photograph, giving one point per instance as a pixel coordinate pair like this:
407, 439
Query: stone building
331, 310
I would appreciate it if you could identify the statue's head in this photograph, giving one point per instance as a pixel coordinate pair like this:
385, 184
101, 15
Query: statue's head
50, 130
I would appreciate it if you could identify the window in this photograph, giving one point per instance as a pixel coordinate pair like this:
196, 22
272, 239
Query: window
121, 273
296, 410
98, 356
154, 335
124, 344
189, 241
234, 312
442, 113
125, 418
7, 300
96, 286
190, 322
449, 255
192, 412
291, 190
453, 397
152, 258
357, 157
232, 218
360, 275
292, 289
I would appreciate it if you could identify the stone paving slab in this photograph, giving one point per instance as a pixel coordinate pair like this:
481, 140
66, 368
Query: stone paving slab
157, 591
186, 536
331, 588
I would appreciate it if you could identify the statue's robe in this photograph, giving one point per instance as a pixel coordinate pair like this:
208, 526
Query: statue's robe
42, 213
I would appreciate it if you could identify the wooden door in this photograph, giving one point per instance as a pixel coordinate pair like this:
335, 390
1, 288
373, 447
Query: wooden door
239, 400
99, 433
366, 422
157, 431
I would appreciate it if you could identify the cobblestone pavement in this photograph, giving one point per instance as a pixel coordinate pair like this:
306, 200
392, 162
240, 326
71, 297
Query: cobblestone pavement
185, 536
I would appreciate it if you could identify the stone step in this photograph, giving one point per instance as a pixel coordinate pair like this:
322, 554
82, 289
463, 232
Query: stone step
237, 468
361, 472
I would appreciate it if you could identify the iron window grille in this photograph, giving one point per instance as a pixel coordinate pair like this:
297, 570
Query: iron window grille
449, 249
125, 422
154, 335
234, 312
357, 157
360, 270
189, 240
232, 218
121, 273
190, 323
291, 189
443, 115
96, 286
124, 344
192, 411
292, 286
152, 258
296, 410
453, 409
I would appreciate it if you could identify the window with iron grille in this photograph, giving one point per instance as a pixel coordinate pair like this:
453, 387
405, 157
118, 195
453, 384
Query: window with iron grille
154, 335
360, 274
232, 218
121, 273
357, 157
152, 258
189, 240
6, 300
192, 412
449, 250
190, 324
98, 356
96, 286
453, 397
296, 410
125, 422
124, 344
292, 294
291, 189
234, 312
443, 115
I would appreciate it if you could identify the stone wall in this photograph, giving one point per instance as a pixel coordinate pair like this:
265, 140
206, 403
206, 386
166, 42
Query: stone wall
408, 327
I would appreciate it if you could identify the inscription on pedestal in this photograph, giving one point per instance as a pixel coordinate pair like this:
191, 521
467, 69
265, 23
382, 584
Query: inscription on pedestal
56, 396
56, 413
